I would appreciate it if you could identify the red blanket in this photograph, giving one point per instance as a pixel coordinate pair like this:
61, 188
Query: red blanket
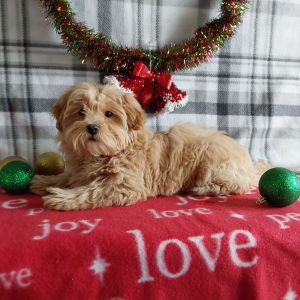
178, 247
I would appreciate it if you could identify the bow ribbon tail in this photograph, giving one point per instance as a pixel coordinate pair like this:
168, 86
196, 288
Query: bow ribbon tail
147, 86
146, 100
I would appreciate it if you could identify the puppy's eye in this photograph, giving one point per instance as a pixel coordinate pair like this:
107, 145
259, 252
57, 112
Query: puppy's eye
108, 114
82, 112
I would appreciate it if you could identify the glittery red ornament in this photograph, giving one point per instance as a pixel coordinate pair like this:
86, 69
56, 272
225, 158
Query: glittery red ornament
150, 86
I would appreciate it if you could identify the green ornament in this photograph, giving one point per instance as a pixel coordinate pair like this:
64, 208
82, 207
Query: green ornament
15, 177
279, 187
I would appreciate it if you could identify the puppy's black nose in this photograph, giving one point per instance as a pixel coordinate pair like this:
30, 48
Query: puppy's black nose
92, 129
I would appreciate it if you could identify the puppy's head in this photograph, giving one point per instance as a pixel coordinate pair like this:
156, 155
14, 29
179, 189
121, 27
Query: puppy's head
98, 120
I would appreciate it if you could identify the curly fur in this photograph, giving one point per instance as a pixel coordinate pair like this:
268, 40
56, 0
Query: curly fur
124, 162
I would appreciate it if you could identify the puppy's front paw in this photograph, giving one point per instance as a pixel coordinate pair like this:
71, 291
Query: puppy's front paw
39, 185
60, 199
55, 199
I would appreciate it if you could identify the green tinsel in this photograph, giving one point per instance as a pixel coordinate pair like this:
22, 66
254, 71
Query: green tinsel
105, 55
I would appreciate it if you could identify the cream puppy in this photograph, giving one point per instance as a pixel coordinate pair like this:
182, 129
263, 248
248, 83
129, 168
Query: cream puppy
112, 159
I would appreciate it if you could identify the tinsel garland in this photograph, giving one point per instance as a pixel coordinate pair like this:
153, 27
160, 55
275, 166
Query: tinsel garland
107, 56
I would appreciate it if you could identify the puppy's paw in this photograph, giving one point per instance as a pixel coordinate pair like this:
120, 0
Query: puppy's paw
59, 199
39, 185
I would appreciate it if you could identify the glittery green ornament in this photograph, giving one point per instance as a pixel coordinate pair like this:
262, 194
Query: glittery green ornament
279, 187
15, 177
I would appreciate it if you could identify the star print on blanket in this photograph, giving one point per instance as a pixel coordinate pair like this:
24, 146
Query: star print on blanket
178, 247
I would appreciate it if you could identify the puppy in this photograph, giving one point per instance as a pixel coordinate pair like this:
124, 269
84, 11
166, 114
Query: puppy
112, 159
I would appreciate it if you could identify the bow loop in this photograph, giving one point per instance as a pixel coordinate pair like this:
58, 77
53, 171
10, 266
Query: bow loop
140, 70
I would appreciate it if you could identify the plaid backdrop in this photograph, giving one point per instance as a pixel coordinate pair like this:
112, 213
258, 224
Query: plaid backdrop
251, 87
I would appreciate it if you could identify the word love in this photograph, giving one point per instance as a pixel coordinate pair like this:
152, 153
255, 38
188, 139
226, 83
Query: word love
84, 226
20, 278
239, 241
180, 212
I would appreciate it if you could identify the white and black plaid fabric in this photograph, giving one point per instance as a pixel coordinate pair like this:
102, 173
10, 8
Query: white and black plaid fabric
251, 88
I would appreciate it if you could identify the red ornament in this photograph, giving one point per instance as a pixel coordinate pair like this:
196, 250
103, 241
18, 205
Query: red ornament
150, 86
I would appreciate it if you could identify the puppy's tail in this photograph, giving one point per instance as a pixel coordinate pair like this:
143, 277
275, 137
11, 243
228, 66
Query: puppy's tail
262, 166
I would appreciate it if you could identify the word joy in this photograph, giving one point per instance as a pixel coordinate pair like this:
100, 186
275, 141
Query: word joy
84, 226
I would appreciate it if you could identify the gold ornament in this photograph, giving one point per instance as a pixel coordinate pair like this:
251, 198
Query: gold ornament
49, 163
11, 158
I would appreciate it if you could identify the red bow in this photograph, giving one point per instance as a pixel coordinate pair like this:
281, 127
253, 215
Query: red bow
148, 86
165, 80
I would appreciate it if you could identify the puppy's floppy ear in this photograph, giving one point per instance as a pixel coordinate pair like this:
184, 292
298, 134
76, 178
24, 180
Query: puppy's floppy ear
136, 118
59, 108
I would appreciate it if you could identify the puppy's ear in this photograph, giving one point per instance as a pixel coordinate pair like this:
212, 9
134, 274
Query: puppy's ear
59, 108
136, 118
